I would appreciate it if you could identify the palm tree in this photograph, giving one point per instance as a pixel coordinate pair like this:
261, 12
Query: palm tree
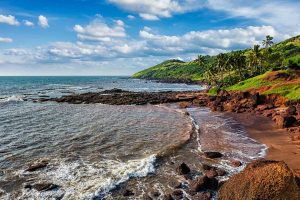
268, 41
200, 59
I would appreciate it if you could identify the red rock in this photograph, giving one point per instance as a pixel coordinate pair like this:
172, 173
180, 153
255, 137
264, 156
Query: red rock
291, 110
211, 173
261, 180
284, 121
202, 196
236, 163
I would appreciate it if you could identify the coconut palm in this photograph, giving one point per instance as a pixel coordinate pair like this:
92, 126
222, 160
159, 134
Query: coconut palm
268, 41
200, 60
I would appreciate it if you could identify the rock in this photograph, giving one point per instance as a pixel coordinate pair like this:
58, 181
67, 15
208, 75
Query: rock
211, 173
176, 185
127, 193
291, 110
284, 121
202, 196
42, 186
183, 169
36, 166
264, 107
221, 172
204, 183
177, 193
185, 104
167, 197
261, 180
201, 183
207, 167
236, 163
212, 154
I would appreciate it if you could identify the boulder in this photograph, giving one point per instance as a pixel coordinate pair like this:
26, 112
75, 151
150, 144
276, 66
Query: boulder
212, 154
236, 163
202, 196
291, 110
204, 183
36, 166
185, 104
42, 186
264, 180
127, 193
183, 169
284, 121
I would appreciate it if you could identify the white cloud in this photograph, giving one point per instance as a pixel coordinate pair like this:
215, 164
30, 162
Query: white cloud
131, 17
283, 15
28, 23
155, 9
9, 19
43, 21
98, 30
6, 40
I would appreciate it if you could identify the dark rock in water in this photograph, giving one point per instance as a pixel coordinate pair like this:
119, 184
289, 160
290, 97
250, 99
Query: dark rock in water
202, 196
177, 193
207, 167
221, 172
211, 173
167, 197
36, 166
261, 180
127, 193
183, 169
236, 163
204, 183
43, 186
211, 154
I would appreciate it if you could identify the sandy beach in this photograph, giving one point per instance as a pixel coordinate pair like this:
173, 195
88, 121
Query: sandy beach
279, 142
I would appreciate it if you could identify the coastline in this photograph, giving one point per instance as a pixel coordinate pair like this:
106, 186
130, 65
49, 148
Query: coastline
279, 143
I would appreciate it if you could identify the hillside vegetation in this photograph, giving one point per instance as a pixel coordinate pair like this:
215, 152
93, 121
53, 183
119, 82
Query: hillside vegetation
274, 69
229, 68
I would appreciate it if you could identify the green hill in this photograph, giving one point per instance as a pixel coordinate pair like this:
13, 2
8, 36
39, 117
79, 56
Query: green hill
172, 70
283, 55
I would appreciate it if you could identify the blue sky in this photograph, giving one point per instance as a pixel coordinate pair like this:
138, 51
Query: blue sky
120, 37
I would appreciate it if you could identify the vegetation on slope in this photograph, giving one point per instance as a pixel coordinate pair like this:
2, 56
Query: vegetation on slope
230, 68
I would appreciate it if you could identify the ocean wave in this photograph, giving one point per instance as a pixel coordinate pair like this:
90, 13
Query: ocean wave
91, 181
13, 98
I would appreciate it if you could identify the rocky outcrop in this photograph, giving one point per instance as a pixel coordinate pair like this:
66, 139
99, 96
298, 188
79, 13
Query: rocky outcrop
121, 97
212, 154
264, 180
37, 165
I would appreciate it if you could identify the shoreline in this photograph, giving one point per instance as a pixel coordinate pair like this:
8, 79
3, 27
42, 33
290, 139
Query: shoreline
279, 142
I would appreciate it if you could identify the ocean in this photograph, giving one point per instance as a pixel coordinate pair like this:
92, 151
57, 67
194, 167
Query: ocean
94, 151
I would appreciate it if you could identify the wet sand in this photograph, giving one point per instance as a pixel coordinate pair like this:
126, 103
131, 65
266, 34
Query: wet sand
279, 142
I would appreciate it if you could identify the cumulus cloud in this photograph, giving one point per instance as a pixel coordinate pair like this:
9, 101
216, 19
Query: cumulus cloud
98, 30
28, 23
155, 9
9, 19
6, 40
283, 15
43, 21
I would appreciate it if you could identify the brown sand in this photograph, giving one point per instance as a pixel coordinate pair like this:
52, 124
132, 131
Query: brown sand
279, 142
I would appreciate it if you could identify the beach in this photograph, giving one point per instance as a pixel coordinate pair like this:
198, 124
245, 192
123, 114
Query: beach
280, 144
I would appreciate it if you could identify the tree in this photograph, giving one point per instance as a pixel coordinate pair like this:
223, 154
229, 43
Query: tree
200, 60
254, 59
268, 41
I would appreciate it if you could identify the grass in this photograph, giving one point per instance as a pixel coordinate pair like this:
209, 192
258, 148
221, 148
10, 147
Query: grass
292, 92
251, 83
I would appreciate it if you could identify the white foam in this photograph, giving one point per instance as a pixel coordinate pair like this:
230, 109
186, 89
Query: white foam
80, 180
11, 98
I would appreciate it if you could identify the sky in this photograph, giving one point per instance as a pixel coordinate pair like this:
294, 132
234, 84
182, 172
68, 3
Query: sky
121, 37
